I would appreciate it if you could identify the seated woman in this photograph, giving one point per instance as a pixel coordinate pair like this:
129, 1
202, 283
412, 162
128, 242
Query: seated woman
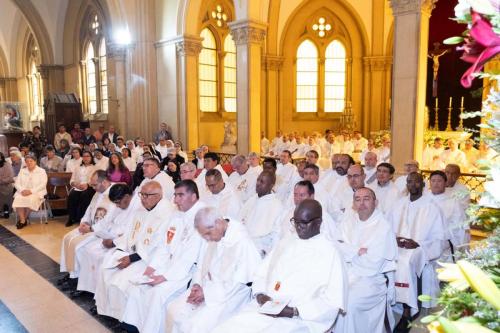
117, 171
63, 148
16, 161
6, 186
81, 193
31, 187
128, 160
75, 161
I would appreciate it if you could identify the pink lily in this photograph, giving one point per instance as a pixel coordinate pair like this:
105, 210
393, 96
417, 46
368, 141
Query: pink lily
483, 45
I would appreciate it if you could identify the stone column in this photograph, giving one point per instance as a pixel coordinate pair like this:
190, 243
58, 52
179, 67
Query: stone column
188, 48
52, 78
375, 73
117, 89
270, 120
248, 36
411, 30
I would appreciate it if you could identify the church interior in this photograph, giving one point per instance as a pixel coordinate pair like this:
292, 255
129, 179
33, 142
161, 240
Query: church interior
242, 100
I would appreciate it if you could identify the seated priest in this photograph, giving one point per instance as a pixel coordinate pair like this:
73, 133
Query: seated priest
261, 213
220, 285
210, 161
386, 191
418, 224
134, 251
221, 194
90, 256
244, 178
172, 266
95, 220
295, 289
369, 248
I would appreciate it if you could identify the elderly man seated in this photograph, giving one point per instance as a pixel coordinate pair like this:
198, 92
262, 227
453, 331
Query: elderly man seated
243, 179
369, 247
219, 287
295, 289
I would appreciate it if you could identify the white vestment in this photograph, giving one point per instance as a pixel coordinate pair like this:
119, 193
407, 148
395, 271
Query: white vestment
400, 183
90, 256
36, 182
261, 217
175, 259
431, 157
166, 182
102, 164
314, 284
97, 215
454, 157
244, 185
145, 235
386, 195
202, 184
421, 221
72, 164
371, 175
384, 154
368, 290
460, 192
287, 228
227, 267
227, 202
286, 172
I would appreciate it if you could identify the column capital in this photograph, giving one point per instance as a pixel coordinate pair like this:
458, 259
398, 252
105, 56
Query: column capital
187, 45
377, 63
272, 62
403, 7
248, 32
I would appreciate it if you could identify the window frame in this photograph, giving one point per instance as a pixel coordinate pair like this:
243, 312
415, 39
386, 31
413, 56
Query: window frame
321, 45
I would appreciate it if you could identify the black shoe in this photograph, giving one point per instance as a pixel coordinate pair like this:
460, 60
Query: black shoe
93, 310
403, 326
6, 215
76, 293
69, 223
63, 279
69, 285
20, 225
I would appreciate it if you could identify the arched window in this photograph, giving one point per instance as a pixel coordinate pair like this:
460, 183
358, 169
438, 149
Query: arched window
208, 72
229, 74
307, 77
103, 76
91, 79
94, 66
335, 77
217, 61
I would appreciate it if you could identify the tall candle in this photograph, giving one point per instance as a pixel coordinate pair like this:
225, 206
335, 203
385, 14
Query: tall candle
436, 103
462, 102
450, 102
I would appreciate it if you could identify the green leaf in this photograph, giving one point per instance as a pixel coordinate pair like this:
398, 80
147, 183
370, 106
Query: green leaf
424, 298
428, 319
453, 40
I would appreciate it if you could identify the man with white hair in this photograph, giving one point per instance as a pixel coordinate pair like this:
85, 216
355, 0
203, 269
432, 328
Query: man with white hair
369, 248
243, 179
254, 163
221, 194
370, 168
306, 290
171, 267
134, 252
220, 285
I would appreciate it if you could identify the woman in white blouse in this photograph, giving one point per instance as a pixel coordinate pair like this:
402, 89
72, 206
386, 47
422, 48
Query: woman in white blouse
81, 193
31, 187
129, 162
75, 161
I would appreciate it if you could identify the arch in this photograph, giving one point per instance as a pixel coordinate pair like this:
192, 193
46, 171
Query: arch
38, 28
4, 65
390, 41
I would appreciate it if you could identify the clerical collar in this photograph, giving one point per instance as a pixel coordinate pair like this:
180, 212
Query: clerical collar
152, 207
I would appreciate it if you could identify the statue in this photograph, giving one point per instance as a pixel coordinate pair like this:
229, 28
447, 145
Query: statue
229, 144
434, 55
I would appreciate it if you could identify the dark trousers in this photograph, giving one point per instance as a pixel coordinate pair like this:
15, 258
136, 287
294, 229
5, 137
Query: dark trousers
78, 201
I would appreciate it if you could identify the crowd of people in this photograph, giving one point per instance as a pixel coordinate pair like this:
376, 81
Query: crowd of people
323, 244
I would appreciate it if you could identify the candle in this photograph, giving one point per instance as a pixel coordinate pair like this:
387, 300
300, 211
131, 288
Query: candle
450, 102
436, 103
462, 102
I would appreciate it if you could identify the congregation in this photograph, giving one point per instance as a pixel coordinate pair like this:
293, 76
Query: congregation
312, 234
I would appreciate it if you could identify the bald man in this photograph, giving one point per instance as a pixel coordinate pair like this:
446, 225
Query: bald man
219, 287
343, 198
370, 168
134, 251
454, 187
311, 301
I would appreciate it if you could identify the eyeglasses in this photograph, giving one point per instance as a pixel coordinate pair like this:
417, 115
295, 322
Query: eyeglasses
302, 224
353, 176
147, 195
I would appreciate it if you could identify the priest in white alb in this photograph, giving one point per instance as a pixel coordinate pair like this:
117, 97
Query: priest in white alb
171, 267
221, 194
369, 248
243, 179
210, 161
305, 290
134, 251
418, 224
261, 213
99, 211
386, 191
220, 285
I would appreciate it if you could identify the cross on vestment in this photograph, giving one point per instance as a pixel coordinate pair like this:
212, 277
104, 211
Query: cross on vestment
434, 55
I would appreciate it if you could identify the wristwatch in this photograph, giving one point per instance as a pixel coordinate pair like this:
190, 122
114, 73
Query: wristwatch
295, 312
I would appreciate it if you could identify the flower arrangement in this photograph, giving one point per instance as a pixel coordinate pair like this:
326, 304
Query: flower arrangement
470, 301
